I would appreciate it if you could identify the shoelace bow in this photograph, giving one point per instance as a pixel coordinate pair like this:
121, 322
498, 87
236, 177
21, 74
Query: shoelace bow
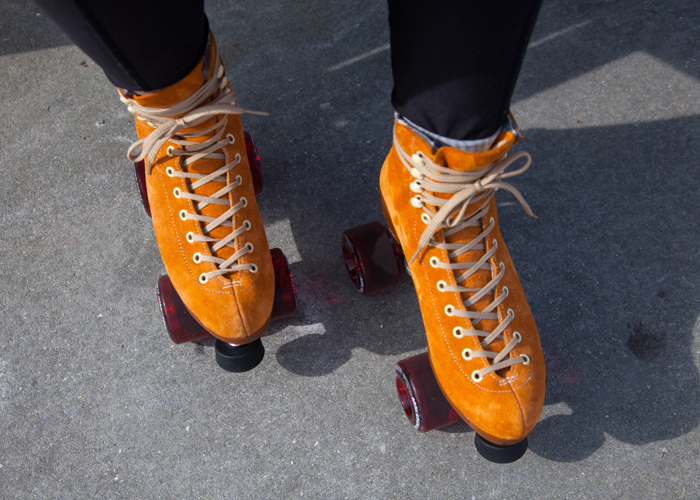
467, 188
168, 129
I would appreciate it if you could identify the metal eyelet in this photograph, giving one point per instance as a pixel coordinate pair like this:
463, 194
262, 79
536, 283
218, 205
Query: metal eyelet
510, 312
494, 243
417, 201
190, 237
441, 285
169, 151
170, 171
458, 332
467, 354
492, 221
197, 258
526, 359
505, 291
176, 192
245, 202
238, 157
501, 265
418, 158
416, 187
449, 310
249, 246
517, 336
239, 179
231, 138
476, 376
254, 269
417, 173
183, 214
203, 278
434, 262
247, 225
425, 218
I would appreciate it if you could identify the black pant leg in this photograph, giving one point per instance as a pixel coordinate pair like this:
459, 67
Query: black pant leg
456, 62
142, 45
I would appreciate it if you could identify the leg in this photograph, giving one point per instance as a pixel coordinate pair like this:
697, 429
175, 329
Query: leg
140, 45
455, 67
456, 63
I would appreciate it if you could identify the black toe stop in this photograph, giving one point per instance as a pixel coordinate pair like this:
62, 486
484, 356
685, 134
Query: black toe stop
239, 358
497, 453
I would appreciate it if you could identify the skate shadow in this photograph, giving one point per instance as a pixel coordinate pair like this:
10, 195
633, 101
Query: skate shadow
616, 304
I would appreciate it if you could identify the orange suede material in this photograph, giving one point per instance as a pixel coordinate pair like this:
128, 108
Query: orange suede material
502, 407
235, 307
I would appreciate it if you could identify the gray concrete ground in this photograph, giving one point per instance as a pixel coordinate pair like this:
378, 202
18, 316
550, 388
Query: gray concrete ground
95, 402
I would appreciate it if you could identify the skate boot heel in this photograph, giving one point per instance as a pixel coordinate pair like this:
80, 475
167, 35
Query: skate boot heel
373, 259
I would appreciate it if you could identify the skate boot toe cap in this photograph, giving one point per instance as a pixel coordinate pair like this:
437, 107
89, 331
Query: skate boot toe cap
502, 418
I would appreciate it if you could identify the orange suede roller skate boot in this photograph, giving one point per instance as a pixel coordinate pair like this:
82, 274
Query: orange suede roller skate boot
484, 361
198, 173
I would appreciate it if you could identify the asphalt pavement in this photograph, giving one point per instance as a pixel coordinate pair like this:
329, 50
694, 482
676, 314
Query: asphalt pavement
96, 402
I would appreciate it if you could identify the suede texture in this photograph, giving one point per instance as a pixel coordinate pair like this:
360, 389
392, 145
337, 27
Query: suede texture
236, 307
502, 407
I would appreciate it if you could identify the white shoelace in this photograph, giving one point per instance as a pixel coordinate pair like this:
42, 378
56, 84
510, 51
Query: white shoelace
168, 129
467, 188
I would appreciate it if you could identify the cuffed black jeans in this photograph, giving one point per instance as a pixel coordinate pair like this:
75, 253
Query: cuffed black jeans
455, 62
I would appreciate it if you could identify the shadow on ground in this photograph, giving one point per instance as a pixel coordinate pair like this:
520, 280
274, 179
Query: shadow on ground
24, 28
610, 267
610, 272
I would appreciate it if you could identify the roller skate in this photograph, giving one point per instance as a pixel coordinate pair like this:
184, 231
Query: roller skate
484, 362
198, 173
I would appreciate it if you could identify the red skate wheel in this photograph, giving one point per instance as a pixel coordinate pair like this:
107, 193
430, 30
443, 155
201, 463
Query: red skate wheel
420, 395
254, 162
372, 259
140, 174
285, 303
181, 326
